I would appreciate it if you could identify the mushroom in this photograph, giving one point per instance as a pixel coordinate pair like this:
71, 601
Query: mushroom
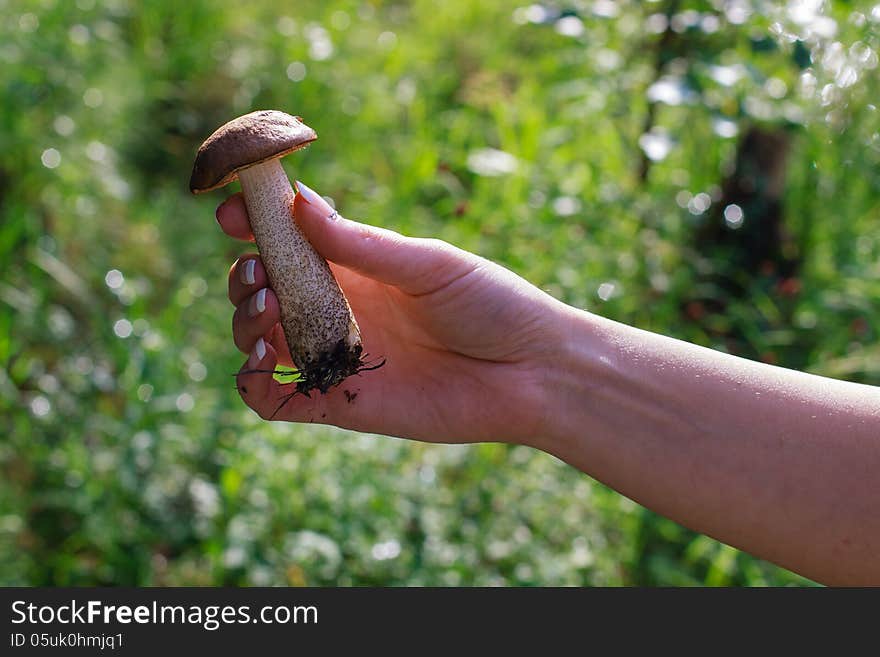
320, 329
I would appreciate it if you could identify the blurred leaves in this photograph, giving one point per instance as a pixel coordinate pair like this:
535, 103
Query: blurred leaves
126, 456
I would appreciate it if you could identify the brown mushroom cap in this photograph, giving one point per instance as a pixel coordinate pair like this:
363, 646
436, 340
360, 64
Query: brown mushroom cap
243, 142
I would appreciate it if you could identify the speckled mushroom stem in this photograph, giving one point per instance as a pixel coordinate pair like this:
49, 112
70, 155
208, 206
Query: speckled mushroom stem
321, 331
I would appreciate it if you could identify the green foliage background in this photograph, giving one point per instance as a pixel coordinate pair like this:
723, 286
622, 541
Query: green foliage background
126, 456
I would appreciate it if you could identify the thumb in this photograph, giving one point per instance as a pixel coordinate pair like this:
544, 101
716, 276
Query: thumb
415, 265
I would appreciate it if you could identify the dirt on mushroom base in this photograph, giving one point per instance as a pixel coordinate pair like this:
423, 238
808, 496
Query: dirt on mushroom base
332, 368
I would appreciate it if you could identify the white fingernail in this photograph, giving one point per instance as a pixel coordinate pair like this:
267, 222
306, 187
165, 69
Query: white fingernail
246, 273
309, 195
258, 304
257, 354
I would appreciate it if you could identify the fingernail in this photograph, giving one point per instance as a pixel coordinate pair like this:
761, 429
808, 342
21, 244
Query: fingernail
257, 304
309, 195
258, 353
246, 273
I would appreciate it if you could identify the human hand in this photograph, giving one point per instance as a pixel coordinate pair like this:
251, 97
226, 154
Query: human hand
466, 343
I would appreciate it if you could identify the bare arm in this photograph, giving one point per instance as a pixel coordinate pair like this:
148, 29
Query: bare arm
779, 463
782, 464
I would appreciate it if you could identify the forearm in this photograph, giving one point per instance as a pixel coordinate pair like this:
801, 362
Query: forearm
782, 464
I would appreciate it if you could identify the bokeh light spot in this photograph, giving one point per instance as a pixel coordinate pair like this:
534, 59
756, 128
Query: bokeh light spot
51, 158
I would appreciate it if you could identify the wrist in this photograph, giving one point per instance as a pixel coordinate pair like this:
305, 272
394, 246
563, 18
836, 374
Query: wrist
579, 363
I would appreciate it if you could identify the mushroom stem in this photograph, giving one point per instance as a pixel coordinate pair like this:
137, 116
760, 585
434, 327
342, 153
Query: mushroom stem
320, 329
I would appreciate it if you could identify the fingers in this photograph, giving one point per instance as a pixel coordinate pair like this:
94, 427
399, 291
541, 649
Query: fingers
246, 276
255, 381
417, 266
254, 318
233, 218
279, 343
256, 307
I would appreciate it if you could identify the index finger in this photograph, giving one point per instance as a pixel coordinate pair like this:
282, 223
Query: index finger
233, 218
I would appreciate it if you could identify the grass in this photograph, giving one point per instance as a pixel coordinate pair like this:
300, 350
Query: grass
126, 455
